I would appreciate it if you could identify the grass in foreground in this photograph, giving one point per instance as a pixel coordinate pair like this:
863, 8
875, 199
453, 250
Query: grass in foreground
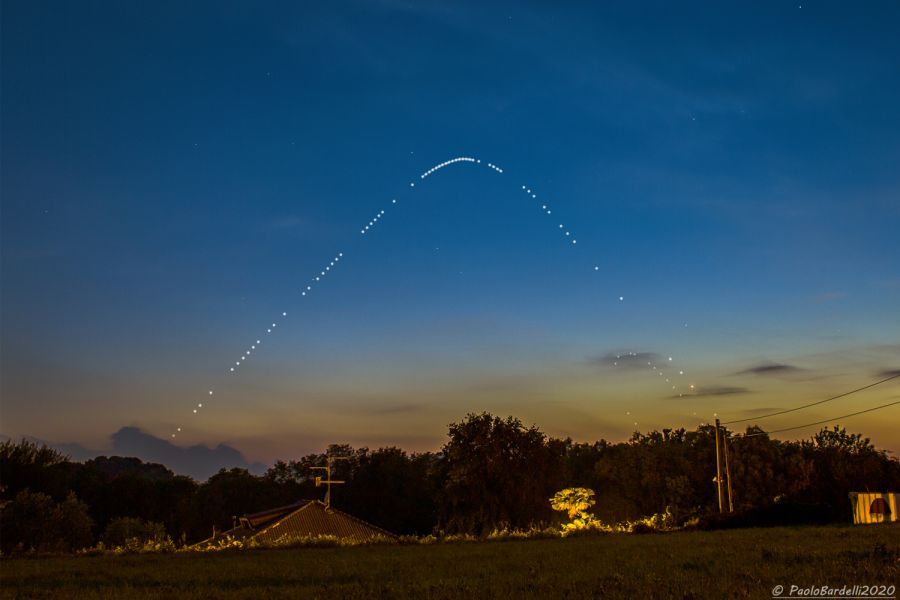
739, 563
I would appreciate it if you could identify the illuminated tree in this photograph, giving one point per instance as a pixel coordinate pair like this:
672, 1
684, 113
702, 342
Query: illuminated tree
575, 502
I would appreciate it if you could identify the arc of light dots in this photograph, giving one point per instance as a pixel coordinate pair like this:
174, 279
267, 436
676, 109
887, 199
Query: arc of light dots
327, 268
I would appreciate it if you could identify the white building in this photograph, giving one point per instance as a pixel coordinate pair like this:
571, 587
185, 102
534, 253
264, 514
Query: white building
874, 507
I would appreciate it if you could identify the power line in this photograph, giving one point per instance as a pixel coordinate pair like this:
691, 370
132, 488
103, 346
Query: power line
868, 410
790, 410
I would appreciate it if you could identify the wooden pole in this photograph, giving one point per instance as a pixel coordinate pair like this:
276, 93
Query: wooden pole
727, 472
719, 468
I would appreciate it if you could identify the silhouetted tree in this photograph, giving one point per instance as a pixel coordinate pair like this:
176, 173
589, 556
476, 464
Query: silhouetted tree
32, 521
121, 530
392, 489
843, 462
496, 473
37, 467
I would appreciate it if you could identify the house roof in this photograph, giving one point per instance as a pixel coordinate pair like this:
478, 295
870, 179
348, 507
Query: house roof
259, 519
316, 519
307, 518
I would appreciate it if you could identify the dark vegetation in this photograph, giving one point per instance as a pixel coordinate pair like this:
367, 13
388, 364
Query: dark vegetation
491, 474
746, 563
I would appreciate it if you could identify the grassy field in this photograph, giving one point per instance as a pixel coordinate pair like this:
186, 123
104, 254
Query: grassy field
719, 564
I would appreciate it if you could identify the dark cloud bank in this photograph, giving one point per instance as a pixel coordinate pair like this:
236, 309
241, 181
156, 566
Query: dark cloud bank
773, 369
197, 461
713, 391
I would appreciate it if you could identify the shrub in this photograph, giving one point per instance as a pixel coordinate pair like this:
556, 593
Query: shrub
123, 531
33, 522
575, 502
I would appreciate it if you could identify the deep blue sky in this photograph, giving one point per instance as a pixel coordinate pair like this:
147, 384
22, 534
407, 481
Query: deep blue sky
174, 173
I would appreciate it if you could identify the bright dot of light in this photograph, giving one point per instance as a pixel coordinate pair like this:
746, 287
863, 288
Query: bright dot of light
284, 314
621, 298
596, 268
210, 392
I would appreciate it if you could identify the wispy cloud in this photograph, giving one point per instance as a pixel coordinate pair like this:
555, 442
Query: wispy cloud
397, 409
771, 369
722, 390
287, 222
891, 284
830, 296
752, 412
626, 360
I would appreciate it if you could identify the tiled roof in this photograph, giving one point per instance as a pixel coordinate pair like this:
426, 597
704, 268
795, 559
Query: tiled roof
315, 519
262, 518
307, 518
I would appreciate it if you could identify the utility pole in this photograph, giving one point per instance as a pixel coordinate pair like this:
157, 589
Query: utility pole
727, 472
719, 468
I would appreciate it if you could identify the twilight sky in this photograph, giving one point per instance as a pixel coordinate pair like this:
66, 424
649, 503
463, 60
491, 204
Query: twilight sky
175, 174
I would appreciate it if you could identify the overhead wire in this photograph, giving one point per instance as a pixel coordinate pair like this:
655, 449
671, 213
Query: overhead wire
868, 410
796, 408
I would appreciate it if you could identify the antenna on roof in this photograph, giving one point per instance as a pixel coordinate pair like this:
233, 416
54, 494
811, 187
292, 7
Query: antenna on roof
328, 481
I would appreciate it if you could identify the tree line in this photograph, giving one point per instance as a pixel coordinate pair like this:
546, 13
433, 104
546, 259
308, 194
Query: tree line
491, 473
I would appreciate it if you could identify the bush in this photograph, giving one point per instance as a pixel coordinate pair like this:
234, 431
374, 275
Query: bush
124, 530
779, 514
33, 522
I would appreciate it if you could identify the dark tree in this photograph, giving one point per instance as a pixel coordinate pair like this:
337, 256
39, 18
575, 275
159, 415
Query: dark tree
496, 473
37, 467
32, 521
